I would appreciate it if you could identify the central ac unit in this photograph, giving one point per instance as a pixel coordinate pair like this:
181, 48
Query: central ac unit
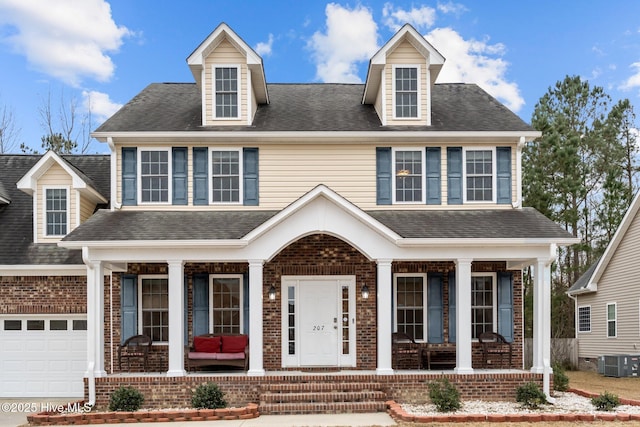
619, 365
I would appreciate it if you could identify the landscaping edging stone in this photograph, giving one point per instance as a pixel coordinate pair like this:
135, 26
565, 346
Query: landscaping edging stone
144, 416
396, 412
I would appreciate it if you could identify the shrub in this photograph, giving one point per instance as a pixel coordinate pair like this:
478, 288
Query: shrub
126, 399
530, 395
444, 395
208, 396
605, 401
560, 378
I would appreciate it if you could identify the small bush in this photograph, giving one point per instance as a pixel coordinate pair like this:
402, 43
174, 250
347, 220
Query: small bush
530, 396
605, 401
560, 378
208, 396
444, 395
126, 399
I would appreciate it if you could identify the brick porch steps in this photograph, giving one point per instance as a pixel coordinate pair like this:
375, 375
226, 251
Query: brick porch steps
322, 398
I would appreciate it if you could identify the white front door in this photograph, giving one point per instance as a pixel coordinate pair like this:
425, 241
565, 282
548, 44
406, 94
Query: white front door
318, 321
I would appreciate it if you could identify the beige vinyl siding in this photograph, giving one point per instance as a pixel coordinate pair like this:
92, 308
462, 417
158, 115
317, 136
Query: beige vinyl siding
406, 54
619, 284
225, 54
87, 207
55, 176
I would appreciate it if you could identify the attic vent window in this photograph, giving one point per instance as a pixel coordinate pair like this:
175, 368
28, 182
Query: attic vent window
226, 92
406, 92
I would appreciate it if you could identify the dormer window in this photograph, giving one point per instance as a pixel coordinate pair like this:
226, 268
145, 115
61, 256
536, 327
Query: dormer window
227, 98
406, 92
56, 211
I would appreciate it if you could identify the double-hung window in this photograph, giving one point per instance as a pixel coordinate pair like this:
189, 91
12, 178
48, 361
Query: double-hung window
410, 305
584, 318
483, 304
226, 173
479, 169
154, 307
612, 320
406, 89
56, 208
226, 304
408, 183
155, 172
226, 97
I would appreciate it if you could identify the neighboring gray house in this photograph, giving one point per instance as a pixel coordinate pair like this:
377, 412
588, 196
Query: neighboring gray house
607, 297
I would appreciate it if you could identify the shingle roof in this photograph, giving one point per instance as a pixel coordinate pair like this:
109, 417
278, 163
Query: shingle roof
16, 219
583, 281
312, 107
486, 224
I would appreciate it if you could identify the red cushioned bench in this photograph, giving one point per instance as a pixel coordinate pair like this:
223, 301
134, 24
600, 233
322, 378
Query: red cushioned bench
218, 350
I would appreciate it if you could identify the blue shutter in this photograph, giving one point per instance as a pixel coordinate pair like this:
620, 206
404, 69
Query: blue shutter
434, 308
433, 176
129, 306
250, 172
454, 175
200, 176
200, 304
452, 306
503, 174
129, 176
383, 175
245, 302
505, 305
179, 170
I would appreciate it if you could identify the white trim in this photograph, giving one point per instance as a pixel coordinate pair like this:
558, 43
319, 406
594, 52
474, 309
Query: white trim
493, 174
169, 152
423, 192
141, 277
239, 85
578, 319
383, 103
494, 296
419, 82
615, 319
240, 278
203, 96
425, 314
428, 93
45, 224
240, 152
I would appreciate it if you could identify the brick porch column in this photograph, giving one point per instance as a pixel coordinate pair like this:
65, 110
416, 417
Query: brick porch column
383, 299
463, 317
176, 318
256, 362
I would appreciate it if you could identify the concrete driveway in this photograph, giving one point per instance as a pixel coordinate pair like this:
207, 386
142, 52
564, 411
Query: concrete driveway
13, 412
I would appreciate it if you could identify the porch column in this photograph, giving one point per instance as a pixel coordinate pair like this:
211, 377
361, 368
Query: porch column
463, 317
176, 319
541, 317
95, 322
256, 364
383, 299
98, 271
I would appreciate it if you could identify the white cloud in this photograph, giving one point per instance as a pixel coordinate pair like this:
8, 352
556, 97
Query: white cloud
351, 37
264, 49
633, 81
451, 7
421, 18
100, 105
66, 39
474, 61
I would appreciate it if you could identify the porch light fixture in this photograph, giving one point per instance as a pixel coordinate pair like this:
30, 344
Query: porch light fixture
272, 293
365, 291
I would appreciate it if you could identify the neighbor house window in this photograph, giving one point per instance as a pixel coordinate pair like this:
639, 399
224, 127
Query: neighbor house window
226, 304
226, 99
155, 170
584, 318
56, 211
612, 324
410, 302
409, 173
226, 167
479, 175
154, 307
483, 304
406, 92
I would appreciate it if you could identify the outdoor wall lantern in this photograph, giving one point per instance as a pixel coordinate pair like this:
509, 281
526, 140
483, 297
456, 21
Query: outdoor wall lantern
272, 293
365, 291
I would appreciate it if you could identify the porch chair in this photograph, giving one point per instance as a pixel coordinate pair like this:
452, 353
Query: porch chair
135, 347
493, 345
405, 352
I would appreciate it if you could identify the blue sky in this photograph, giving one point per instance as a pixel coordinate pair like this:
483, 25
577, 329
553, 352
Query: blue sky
108, 51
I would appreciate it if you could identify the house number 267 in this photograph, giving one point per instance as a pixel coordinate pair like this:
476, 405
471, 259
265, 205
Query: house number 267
318, 327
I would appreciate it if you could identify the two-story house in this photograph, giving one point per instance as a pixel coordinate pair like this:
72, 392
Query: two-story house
317, 219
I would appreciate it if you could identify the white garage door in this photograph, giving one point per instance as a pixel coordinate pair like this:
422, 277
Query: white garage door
42, 356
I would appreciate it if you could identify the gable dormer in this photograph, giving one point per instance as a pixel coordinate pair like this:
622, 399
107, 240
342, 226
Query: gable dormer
63, 197
231, 79
400, 79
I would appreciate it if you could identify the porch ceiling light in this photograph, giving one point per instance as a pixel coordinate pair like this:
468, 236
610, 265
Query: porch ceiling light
365, 291
272, 293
